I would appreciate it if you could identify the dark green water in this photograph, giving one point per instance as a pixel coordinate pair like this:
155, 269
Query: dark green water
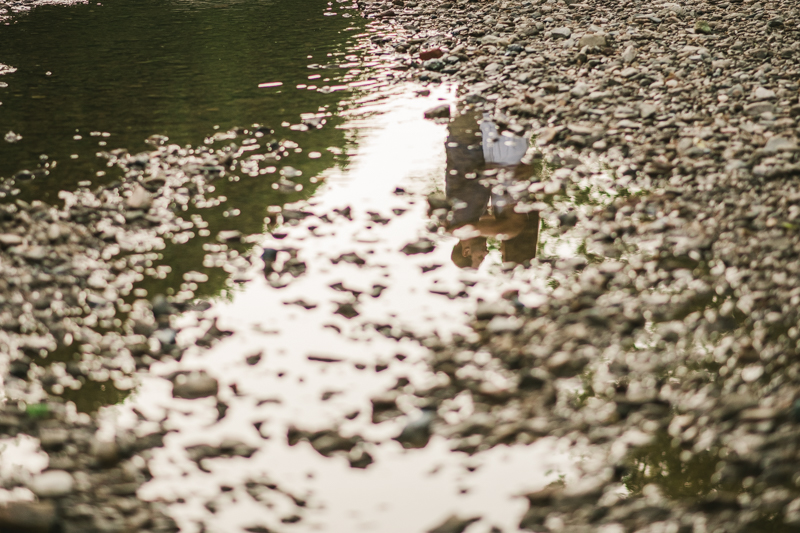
133, 68
102, 76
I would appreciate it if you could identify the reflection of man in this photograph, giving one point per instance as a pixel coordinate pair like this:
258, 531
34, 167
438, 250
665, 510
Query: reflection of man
472, 220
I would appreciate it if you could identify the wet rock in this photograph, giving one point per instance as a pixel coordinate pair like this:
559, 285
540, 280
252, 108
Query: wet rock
489, 310
347, 310
194, 385
568, 220
422, 246
52, 484
434, 65
454, 524
165, 336
28, 517
105, 452
417, 433
351, 258
328, 442
229, 236
440, 111
360, 458
53, 438
161, 306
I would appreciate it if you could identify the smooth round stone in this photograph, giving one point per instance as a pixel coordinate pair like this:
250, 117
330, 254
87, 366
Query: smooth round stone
52, 484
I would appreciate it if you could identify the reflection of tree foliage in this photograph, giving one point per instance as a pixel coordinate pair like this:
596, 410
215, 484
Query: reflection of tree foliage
93, 395
135, 68
660, 463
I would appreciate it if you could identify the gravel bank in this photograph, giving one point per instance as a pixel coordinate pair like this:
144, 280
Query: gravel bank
672, 344
668, 344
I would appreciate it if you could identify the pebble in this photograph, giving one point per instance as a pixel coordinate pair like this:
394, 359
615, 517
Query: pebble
592, 40
440, 111
454, 524
194, 385
52, 484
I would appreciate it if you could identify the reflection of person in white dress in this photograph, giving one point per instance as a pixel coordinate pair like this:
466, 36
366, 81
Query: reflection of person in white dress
470, 220
501, 150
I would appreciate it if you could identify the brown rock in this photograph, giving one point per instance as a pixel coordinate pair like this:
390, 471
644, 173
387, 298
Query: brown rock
433, 53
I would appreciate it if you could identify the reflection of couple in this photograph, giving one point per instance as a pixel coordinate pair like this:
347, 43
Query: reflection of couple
480, 210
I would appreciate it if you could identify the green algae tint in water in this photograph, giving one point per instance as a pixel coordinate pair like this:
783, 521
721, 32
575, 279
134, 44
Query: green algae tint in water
93, 78
134, 68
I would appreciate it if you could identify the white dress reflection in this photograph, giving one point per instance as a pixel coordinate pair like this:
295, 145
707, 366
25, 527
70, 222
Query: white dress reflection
476, 154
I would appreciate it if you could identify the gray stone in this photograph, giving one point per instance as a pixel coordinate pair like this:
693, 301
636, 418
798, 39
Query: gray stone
105, 452
647, 110
629, 54
579, 90
674, 8
561, 33
592, 40
454, 524
433, 64
440, 111
494, 39
758, 108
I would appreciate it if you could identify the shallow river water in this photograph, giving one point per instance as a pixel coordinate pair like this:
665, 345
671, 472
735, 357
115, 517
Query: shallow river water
321, 257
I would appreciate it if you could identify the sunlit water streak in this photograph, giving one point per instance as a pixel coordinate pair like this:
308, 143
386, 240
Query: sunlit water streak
404, 490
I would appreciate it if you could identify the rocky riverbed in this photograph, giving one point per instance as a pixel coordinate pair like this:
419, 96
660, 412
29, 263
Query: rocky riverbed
654, 333
683, 332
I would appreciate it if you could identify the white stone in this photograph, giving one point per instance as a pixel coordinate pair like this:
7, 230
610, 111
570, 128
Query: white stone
629, 54
763, 94
139, 198
579, 90
647, 110
592, 40
562, 33
674, 8
52, 484
778, 144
